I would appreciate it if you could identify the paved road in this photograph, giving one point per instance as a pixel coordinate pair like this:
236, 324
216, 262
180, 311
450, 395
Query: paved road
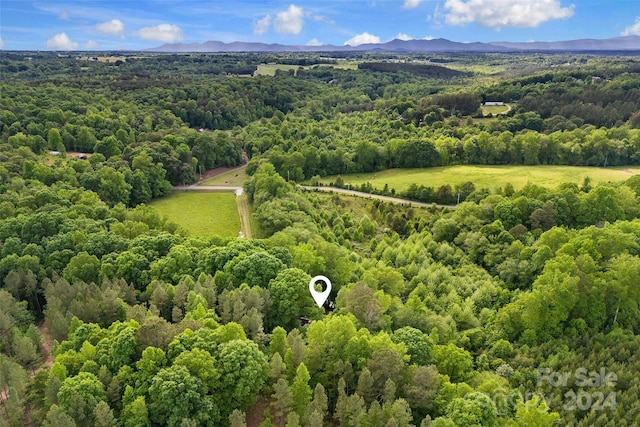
374, 196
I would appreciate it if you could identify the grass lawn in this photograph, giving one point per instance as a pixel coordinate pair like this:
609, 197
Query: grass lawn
202, 214
491, 177
233, 178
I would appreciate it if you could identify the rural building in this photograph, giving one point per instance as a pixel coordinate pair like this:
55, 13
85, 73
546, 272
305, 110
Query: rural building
493, 104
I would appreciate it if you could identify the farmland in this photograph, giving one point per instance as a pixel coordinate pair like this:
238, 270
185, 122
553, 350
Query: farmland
270, 69
492, 177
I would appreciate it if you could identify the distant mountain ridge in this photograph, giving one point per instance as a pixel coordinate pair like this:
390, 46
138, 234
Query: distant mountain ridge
616, 43
624, 43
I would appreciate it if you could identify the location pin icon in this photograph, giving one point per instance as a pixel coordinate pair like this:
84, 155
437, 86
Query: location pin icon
320, 297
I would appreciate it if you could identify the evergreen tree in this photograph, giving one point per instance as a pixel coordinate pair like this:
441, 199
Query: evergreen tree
365, 386
237, 419
300, 390
281, 399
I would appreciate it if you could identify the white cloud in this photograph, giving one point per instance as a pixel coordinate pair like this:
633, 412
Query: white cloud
403, 36
64, 16
410, 4
632, 30
261, 26
61, 42
503, 13
289, 21
428, 38
92, 44
319, 18
164, 33
364, 38
314, 42
2, 43
115, 27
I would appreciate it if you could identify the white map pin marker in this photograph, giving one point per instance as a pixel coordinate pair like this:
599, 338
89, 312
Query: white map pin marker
319, 297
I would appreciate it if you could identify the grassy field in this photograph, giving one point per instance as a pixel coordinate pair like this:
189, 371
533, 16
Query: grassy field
202, 214
233, 178
491, 177
107, 59
495, 109
270, 69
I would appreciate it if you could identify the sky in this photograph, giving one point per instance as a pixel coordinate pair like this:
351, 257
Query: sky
133, 25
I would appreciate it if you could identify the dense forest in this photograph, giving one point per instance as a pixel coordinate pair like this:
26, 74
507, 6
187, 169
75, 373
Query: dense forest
518, 307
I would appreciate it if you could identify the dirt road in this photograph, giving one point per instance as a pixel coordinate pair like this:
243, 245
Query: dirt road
245, 215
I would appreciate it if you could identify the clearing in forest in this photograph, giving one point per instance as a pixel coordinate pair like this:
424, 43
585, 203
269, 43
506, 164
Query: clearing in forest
234, 177
270, 69
495, 109
203, 214
492, 177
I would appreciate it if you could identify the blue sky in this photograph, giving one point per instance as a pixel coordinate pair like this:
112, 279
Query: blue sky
109, 25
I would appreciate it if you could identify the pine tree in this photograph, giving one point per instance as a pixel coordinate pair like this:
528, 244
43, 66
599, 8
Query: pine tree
277, 367
281, 399
57, 417
401, 412
290, 364
293, 420
300, 390
320, 402
389, 395
104, 416
365, 386
237, 419
341, 403
315, 419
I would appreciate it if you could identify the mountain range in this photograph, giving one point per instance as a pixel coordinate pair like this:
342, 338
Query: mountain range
625, 43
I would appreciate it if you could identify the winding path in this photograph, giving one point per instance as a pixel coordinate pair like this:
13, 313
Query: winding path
374, 196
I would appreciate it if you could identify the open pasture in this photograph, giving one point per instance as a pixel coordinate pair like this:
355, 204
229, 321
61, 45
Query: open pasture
270, 69
492, 177
233, 178
495, 109
203, 214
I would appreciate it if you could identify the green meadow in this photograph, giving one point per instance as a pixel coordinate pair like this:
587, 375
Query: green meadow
492, 177
232, 178
270, 69
495, 109
203, 214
